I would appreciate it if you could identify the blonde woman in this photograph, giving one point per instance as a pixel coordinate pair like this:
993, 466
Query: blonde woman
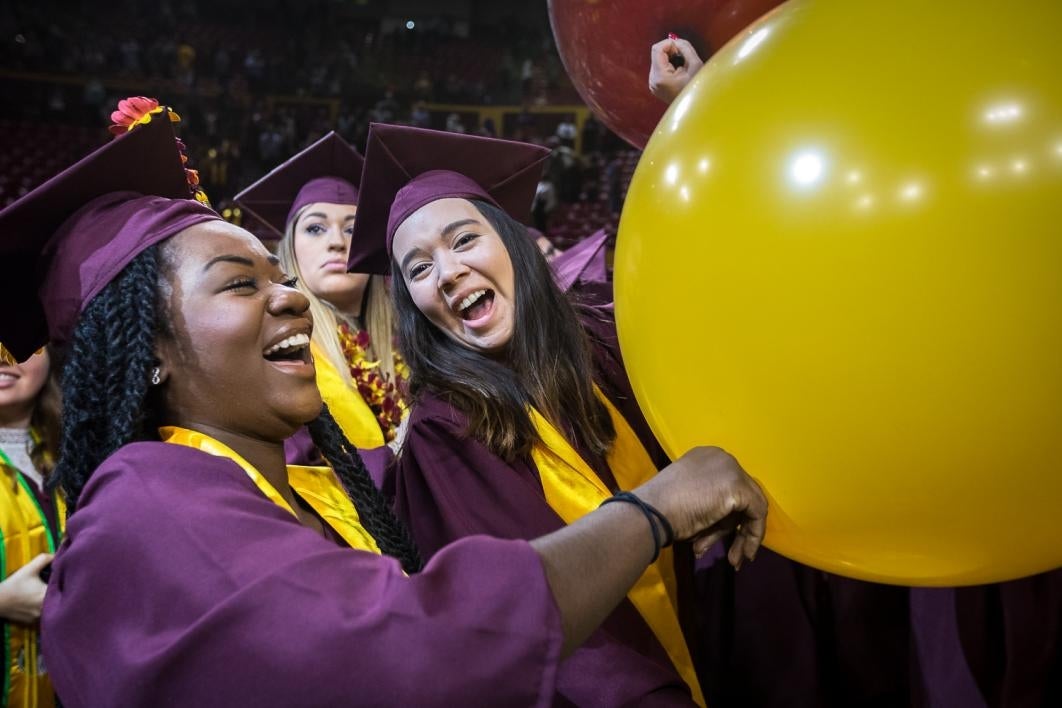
311, 201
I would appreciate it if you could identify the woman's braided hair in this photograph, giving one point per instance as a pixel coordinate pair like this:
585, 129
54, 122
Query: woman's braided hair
373, 509
106, 374
108, 401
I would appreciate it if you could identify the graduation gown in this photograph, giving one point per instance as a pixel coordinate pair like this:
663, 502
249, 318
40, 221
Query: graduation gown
991, 646
448, 486
180, 583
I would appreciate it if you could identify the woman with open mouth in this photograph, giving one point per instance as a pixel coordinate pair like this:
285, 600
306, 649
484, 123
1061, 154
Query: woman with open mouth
199, 568
524, 420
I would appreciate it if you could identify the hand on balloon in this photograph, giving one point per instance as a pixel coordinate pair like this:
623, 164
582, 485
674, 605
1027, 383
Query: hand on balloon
666, 80
706, 495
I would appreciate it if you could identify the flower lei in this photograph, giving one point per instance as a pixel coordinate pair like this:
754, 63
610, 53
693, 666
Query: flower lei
138, 110
386, 399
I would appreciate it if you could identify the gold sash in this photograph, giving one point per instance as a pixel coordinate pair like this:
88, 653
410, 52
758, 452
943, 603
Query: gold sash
573, 490
350, 410
24, 533
318, 486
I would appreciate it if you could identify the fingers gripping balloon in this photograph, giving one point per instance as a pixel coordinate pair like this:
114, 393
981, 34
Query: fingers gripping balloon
841, 260
602, 45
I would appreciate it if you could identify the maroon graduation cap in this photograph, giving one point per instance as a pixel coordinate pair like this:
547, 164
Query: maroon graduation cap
63, 242
406, 168
328, 171
583, 262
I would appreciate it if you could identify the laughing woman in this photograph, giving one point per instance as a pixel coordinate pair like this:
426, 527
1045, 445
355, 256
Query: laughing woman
311, 201
199, 568
524, 420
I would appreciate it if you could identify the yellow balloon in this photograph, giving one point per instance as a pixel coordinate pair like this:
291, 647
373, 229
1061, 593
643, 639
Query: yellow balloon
841, 259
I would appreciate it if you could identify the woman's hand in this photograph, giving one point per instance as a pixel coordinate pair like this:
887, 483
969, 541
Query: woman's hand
705, 495
22, 593
593, 562
666, 80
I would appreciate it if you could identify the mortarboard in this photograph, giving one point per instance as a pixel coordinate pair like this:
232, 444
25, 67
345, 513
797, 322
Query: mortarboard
406, 168
584, 262
328, 171
64, 241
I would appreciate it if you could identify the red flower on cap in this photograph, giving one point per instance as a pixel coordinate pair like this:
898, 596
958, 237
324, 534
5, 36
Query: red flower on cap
134, 111
137, 110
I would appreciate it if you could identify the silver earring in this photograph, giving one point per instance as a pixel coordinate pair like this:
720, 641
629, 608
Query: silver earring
156, 376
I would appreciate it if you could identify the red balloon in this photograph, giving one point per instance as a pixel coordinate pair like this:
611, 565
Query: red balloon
604, 45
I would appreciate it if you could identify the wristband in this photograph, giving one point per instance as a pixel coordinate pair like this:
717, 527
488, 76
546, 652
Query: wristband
653, 516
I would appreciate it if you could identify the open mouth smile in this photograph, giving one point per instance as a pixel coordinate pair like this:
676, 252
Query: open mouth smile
475, 306
293, 349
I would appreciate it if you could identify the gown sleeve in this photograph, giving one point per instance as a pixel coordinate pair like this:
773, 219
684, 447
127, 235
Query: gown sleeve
448, 485
180, 584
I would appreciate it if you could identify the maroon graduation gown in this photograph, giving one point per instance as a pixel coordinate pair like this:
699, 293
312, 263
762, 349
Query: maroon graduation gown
448, 486
997, 646
181, 584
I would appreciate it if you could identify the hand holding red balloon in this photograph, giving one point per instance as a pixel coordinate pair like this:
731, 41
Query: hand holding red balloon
881, 229
666, 80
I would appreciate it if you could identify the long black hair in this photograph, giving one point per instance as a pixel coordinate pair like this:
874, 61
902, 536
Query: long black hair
108, 401
547, 363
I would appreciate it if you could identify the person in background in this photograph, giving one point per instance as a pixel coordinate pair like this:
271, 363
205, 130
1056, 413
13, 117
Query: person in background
30, 521
311, 201
544, 204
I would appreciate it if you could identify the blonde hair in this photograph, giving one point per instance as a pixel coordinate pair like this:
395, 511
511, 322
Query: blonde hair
379, 315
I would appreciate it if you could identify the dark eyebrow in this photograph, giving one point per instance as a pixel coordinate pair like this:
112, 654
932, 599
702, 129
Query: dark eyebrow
456, 225
239, 260
447, 230
409, 257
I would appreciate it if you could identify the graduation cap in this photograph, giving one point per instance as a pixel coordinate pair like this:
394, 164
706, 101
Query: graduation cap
328, 171
406, 168
582, 263
63, 242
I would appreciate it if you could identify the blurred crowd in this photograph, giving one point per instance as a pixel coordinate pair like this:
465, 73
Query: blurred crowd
251, 90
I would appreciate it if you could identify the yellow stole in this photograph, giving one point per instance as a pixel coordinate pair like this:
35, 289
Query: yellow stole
24, 533
350, 410
318, 486
573, 490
